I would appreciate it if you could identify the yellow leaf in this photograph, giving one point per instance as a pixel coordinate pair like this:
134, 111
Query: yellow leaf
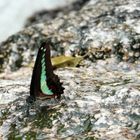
66, 61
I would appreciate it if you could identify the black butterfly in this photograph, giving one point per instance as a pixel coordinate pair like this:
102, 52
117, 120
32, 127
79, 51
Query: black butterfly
44, 83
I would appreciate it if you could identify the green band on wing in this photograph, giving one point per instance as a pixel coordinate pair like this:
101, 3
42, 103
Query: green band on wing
44, 49
43, 85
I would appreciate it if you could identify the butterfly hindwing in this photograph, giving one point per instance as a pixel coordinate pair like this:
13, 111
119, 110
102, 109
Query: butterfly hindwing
43, 78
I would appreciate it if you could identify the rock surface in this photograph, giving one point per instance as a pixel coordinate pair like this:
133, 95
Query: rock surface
48, 15
99, 103
101, 29
101, 100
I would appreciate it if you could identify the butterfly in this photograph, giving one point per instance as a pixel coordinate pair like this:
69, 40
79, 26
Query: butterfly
44, 83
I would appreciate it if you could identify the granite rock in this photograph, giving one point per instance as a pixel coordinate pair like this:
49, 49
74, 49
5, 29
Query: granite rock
97, 103
99, 30
101, 99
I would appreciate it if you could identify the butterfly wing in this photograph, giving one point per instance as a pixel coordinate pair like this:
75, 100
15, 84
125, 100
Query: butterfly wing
44, 83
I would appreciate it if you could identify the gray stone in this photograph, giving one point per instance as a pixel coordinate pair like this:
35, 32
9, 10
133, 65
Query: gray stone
100, 29
100, 104
101, 99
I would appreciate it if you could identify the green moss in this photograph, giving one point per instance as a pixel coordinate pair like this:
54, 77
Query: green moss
31, 135
90, 138
45, 119
14, 133
87, 125
61, 128
4, 114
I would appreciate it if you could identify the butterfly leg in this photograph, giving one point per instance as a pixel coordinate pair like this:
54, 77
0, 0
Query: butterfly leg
37, 106
30, 101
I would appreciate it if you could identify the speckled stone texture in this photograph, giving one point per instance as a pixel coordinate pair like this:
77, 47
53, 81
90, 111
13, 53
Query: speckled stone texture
99, 103
102, 95
47, 15
101, 29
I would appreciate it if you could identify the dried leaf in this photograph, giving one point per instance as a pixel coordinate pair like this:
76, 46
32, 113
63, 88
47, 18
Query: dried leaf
66, 61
